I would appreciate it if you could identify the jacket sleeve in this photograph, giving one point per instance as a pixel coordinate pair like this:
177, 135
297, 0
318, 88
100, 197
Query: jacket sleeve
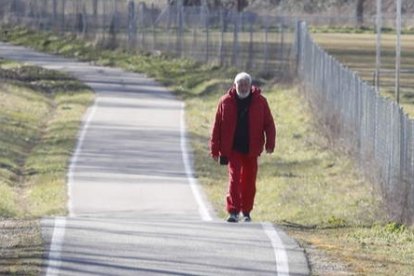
215, 132
269, 128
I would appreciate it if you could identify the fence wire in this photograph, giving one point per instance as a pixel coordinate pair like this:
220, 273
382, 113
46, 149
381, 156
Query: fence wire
221, 36
375, 128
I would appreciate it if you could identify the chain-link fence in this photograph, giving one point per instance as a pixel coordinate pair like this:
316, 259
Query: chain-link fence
373, 127
220, 36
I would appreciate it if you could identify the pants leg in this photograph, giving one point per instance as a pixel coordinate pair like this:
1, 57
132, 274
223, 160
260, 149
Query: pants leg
233, 195
248, 183
242, 182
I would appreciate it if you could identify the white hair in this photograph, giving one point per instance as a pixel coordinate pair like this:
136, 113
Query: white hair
242, 76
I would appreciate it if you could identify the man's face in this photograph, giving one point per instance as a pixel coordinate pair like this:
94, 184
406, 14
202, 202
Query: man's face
243, 88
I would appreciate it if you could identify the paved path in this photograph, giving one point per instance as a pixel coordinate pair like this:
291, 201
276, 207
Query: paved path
135, 208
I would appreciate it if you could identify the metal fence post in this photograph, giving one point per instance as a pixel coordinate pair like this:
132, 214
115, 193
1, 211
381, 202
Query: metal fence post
113, 28
79, 23
398, 52
180, 28
84, 16
104, 20
62, 16
43, 15
221, 39
54, 15
236, 46
95, 16
249, 64
298, 45
154, 34
282, 43
14, 12
266, 46
194, 43
132, 29
140, 25
207, 32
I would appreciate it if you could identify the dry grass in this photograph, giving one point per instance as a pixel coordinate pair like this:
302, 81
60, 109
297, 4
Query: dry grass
40, 113
358, 51
376, 250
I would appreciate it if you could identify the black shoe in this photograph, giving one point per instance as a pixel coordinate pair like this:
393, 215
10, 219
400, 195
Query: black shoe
233, 217
246, 217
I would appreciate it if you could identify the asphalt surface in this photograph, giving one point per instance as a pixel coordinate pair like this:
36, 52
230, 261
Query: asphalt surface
135, 208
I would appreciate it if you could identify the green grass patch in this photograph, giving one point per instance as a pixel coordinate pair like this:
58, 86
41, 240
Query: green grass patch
376, 250
40, 115
312, 189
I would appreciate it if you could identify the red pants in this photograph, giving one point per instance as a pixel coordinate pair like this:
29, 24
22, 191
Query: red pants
242, 182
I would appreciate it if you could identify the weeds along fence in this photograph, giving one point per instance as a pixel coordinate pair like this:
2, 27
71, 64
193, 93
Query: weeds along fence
375, 129
224, 37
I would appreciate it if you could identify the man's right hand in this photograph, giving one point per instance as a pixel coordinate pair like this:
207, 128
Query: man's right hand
215, 158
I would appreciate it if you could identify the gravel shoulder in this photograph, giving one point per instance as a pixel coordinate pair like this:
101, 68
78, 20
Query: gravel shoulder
21, 247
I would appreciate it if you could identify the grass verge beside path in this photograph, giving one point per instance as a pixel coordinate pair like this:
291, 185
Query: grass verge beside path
40, 113
310, 188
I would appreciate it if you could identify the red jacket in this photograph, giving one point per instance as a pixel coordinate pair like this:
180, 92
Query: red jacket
261, 124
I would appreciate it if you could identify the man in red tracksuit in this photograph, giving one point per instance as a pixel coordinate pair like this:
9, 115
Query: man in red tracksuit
243, 126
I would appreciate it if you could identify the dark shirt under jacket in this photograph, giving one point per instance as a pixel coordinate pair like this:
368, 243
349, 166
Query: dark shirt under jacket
241, 136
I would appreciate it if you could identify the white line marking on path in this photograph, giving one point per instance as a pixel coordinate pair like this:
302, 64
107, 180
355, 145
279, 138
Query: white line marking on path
282, 265
193, 182
75, 156
54, 257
